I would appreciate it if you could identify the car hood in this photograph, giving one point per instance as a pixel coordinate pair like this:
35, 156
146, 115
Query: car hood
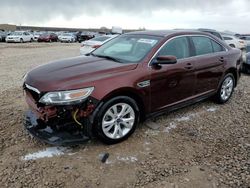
74, 73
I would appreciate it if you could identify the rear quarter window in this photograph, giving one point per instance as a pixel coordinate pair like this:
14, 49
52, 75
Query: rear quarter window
217, 47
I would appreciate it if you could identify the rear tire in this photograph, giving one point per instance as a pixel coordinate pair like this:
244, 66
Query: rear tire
116, 120
226, 89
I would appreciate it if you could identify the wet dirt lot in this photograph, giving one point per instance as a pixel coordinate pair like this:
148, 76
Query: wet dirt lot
205, 145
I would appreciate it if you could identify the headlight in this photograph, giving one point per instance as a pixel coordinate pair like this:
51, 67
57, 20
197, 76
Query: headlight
66, 97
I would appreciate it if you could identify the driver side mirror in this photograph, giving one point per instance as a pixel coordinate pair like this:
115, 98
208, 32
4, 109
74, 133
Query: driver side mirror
164, 60
168, 59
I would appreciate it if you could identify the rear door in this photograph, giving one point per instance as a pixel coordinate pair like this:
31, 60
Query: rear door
210, 58
173, 83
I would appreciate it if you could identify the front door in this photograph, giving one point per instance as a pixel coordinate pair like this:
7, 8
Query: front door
173, 83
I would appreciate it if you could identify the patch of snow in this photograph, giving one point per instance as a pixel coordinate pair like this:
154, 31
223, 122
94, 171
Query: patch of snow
211, 109
48, 152
152, 132
188, 117
109, 162
184, 118
127, 159
170, 127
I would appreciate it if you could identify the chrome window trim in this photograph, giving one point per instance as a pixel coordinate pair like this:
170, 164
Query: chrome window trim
191, 35
32, 88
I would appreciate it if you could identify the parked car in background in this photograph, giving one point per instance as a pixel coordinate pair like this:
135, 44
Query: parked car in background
19, 36
246, 63
67, 37
3, 35
246, 38
212, 31
48, 37
37, 35
132, 77
234, 41
90, 45
85, 36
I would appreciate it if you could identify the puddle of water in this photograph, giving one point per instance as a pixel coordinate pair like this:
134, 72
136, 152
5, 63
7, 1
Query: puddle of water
46, 153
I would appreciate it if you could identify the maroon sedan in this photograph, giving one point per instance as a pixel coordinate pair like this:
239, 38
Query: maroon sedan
48, 37
131, 78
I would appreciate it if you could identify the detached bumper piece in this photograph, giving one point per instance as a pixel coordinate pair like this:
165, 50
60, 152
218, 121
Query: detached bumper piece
46, 134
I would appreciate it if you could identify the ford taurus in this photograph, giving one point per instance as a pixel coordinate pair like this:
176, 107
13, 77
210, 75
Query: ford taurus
130, 78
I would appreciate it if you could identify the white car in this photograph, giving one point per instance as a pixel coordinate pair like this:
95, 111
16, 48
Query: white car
90, 45
67, 37
36, 35
19, 36
246, 38
234, 41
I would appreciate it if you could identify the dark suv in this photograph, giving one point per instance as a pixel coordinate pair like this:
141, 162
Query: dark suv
133, 77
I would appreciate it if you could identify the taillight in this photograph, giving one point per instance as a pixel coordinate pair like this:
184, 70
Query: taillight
82, 45
242, 42
96, 46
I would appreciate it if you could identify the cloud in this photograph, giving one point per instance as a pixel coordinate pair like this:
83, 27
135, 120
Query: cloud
30, 10
214, 12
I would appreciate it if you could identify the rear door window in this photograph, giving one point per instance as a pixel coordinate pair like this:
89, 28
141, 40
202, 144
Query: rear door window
178, 47
202, 45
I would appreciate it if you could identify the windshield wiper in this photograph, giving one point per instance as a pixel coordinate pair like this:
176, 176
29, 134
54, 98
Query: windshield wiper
107, 57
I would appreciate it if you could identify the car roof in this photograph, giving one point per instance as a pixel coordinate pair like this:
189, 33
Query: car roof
165, 33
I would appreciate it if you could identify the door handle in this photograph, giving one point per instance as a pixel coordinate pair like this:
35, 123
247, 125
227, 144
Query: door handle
188, 66
221, 59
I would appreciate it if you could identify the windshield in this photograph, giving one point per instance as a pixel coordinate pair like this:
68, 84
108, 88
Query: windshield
17, 33
128, 48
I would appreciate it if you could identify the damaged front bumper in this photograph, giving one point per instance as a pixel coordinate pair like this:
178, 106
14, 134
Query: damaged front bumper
60, 125
47, 134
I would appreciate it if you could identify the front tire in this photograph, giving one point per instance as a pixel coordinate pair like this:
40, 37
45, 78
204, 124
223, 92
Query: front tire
226, 89
116, 120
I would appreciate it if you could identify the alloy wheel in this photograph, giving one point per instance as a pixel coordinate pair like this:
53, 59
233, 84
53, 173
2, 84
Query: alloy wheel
118, 120
227, 88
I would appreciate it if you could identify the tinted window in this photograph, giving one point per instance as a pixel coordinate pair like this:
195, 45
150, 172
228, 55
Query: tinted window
177, 47
227, 38
202, 45
217, 47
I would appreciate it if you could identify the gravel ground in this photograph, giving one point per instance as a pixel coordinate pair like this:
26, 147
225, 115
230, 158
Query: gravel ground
204, 145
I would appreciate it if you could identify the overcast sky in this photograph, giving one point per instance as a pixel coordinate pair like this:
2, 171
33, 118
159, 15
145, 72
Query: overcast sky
233, 15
